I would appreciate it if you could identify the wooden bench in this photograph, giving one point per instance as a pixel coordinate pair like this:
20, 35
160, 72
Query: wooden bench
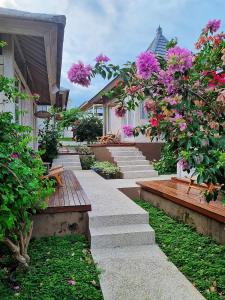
70, 197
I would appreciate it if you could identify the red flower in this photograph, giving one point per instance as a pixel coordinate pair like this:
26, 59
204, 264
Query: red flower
154, 122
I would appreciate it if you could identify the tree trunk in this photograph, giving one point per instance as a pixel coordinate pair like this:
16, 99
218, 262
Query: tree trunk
19, 250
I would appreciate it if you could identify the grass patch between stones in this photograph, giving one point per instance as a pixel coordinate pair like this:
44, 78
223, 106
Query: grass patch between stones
199, 258
60, 268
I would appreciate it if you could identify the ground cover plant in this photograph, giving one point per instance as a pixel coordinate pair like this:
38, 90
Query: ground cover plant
199, 258
87, 161
61, 268
184, 96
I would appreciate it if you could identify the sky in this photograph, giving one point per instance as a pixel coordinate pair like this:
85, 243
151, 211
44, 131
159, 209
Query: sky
121, 29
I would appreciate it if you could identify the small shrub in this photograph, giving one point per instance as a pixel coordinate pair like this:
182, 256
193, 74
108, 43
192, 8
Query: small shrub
83, 150
106, 169
87, 162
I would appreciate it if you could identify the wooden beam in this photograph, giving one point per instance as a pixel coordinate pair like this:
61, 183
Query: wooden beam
25, 27
50, 40
23, 59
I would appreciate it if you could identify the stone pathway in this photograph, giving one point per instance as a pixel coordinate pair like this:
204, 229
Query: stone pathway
123, 245
69, 162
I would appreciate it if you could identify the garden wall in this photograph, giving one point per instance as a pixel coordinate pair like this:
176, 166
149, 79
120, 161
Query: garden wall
60, 224
203, 224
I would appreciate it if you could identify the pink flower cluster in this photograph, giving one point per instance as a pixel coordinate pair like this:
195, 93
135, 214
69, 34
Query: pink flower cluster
146, 64
80, 74
213, 25
166, 78
101, 58
120, 111
128, 130
179, 59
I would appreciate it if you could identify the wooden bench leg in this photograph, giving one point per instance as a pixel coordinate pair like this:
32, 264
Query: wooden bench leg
58, 179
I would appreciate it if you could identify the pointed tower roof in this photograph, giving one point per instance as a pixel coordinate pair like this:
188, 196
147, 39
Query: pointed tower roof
158, 45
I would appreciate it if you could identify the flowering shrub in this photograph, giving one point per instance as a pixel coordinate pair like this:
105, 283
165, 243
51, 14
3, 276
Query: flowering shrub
186, 102
22, 189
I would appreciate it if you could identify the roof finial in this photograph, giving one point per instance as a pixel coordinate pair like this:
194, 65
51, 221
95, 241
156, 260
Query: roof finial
159, 30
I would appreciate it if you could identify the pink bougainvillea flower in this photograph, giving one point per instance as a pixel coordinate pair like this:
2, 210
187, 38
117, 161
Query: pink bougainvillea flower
120, 111
133, 89
80, 74
15, 155
184, 164
213, 25
128, 130
154, 122
166, 78
146, 64
149, 105
71, 282
179, 59
101, 58
182, 126
178, 116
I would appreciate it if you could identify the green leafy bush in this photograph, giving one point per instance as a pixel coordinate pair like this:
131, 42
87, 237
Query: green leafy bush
22, 190
106, 169
167, 164
88, 129
69, 117
199, 258
61, 268
49, 138
87, 161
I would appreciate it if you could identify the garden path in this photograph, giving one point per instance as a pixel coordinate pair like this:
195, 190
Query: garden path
123, 245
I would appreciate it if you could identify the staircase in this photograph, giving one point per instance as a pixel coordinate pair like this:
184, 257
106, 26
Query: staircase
69, 162
132, 162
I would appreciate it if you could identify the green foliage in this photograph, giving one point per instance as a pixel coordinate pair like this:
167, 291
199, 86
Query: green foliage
87, 161
199, 258
21, 187
82, 150
54, 261
88, 128
69, 117
49, 138
167, 163
106, 169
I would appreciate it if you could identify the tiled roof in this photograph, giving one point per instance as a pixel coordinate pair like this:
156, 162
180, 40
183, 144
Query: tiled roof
158, 45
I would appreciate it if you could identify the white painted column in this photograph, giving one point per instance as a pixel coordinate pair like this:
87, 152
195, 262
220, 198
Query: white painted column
8, 58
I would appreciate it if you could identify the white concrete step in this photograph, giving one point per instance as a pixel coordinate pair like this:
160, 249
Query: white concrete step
139, 162
67, 163
129, 158
67, 159
125, 153
122, 148
121, 236
139, 174
118, 219
136, 168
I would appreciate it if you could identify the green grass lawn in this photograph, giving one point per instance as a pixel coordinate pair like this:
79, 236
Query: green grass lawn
61, 268
199, 258
66, 139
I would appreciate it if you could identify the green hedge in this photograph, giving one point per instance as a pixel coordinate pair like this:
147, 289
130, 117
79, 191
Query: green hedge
199, 258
